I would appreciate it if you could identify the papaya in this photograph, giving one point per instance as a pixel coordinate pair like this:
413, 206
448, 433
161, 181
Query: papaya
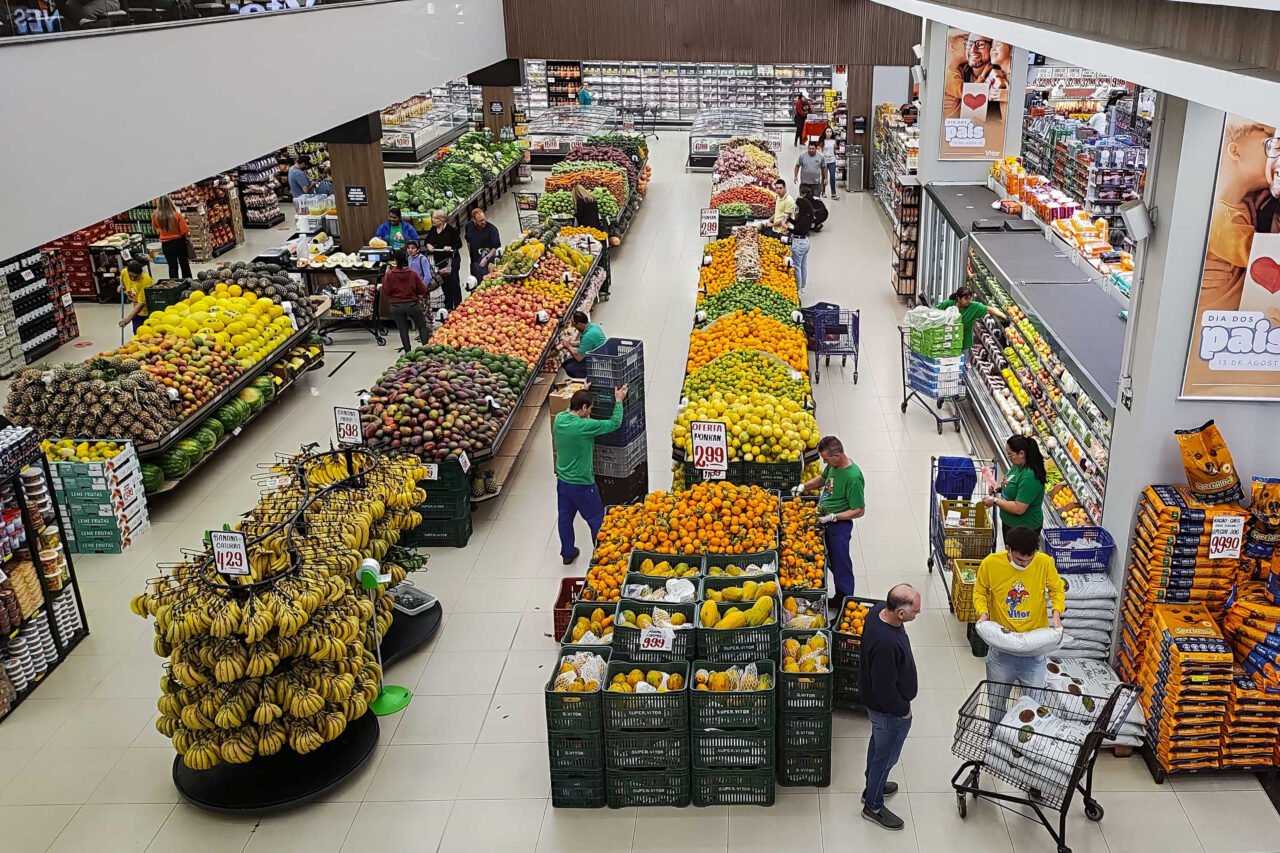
732, 593
768, 588
749, 590
732, 619
710, 615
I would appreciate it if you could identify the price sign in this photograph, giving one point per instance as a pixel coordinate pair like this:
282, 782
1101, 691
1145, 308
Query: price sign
347, 422
1226, 537
710, 445
775, 141
28, 275
713, 475
701, 146
433, 471
709, 222
229, 554
659, 639
464, 461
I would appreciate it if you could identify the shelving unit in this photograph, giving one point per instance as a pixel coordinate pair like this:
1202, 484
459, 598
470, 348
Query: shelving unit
73, 250
1055, 373
256, 181
558, 129
208, 206
317, 151
949, 213
109, 256
563, 80
137, 220
896, 150
64, 312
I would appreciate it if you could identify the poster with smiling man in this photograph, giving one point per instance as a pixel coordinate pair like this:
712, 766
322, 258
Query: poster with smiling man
975, 96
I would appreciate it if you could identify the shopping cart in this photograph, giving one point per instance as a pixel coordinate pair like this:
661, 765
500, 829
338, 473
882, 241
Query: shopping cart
353, 304
932, 380
960, 527
831, 330
1042, 742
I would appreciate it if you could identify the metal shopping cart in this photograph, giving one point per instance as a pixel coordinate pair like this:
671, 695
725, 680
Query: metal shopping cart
353, 304
932, 380
1042, 742
831, 330
960, 527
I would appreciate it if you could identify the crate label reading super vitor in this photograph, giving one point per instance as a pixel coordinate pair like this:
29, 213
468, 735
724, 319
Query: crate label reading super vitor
710, 444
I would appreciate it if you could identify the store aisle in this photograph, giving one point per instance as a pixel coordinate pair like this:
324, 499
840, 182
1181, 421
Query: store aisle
465, 767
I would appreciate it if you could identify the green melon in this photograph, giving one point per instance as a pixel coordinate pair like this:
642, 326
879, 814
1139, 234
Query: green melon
230, 416
174, 464
152, 477
252, 397
266, 386
192, 448
215, 426
207, 438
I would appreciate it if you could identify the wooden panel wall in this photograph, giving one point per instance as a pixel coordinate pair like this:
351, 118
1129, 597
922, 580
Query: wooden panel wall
762, 31
358, 165
507, 96
859, 100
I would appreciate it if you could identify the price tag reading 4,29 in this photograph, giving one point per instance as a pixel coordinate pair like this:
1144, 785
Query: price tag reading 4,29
347, 422
229, 554
1226, 537
657, 639
710, 445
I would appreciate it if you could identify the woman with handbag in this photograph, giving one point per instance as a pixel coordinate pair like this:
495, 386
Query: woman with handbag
171, 228
444, 245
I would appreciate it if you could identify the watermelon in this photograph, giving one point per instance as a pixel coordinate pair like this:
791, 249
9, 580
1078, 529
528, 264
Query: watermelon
253, 398
191, 448
266, 386
215, 426
230, 416
152, 477
206, 437
174, 464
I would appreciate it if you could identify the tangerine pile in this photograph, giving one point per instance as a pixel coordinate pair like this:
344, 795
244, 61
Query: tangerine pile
722, 272
747, 330
803, 556
853, 617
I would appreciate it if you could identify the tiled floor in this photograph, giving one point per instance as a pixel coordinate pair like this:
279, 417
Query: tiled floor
465, 768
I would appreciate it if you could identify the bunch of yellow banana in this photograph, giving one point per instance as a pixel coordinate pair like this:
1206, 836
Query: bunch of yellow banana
303, 738
262, 659
202, 754
238, 747
231, 661
272, 738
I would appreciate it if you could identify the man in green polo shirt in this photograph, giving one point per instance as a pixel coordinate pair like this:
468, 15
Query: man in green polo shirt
970, 310
574, 432
842, 500
591, 338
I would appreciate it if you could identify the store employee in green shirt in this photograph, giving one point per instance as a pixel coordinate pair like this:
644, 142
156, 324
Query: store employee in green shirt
1021, 496
841, 502
574, 432
591, 338
970, 311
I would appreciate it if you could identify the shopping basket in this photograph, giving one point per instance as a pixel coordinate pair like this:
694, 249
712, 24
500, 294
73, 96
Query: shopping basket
1079, 550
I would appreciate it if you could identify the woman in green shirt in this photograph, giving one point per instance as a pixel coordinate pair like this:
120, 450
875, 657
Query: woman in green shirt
970, 310
1021, 496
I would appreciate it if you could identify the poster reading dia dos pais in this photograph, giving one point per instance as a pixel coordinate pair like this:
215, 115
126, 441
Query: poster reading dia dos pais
975, 97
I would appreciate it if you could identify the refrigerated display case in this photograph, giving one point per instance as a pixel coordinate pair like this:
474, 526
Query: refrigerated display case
716, 125
949, 213
414, 139
558, 129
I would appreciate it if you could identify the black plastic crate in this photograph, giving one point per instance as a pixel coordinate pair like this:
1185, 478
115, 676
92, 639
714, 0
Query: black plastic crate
445, 503
733, 787
646, 751
440, 533
632, 429
579, 752
602, 398
804, 768
735, 709
805, 692
816, 600
626, 640
804, 732
620, 491
736, 748
763, 558
575, 790
618, 361
585, 608
160, 296
846, 649
844, 690
624, 712
758, 642
770, 475
445, 475
621, 460
574, 712
647, 788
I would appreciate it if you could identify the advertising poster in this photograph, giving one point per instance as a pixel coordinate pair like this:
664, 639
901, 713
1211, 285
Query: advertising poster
1235, 338
975, 96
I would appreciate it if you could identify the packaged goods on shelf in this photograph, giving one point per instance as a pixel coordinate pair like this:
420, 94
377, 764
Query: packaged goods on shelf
316, 152
23, 303
257, 186
713, 126
64, 313
415, 136
208, 210
137, 220
74, 250
896, 145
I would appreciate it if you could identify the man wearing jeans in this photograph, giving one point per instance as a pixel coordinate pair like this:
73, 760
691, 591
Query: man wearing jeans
887, 684
810, 169
842, 500
574, 433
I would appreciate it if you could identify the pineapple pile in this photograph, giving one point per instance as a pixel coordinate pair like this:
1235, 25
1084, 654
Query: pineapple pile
106, 396
285, 659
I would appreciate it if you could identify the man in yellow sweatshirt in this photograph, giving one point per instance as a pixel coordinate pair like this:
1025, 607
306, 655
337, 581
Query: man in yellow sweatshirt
1011, 590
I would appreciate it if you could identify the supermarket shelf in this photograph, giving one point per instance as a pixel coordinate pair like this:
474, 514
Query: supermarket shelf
42, 350
270, 223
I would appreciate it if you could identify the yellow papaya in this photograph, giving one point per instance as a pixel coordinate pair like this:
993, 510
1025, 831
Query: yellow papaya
768, 588
647, 566
749, 590
732, 619
710, 614
732, 593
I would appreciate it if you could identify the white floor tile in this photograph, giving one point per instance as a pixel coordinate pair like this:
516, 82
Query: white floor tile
507, 770
1146, 822
938, 825
472, 826
844, 827
419, 772
1232, 820
119, 827
314, 827
587, 830
453, 673
687, 830
516, 718
393, 826
793, 823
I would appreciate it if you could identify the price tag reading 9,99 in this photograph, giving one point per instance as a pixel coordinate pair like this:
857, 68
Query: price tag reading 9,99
1226, 537
710, 445
657, 639
229, 554
347, 423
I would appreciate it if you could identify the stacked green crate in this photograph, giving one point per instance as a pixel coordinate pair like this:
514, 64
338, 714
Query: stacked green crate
646, 734
575, 731
846, 655
733, 733
446, 513
746, 642
804, 708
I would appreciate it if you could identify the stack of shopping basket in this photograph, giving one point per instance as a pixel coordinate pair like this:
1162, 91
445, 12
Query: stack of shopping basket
575, 734
622, 456
804, 707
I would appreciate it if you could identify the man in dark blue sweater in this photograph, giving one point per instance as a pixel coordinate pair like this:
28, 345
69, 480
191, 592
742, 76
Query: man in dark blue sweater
887, 684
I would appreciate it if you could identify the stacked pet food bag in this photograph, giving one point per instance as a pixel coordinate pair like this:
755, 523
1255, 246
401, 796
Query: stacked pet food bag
1196, 633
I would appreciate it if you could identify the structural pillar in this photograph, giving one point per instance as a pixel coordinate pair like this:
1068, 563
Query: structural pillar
498, 102
359, 182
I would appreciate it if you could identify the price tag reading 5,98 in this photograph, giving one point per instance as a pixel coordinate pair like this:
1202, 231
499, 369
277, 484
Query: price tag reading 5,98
347, 421
710, 445
229, 554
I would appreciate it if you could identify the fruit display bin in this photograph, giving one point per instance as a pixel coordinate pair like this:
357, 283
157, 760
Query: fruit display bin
577, 790
647, 751
574, 712
734, 787
726, 645
804, 732
846, 649
626, 640
740, 709
638, 557
441, 532
577, 752
844, 689
804, 768
716, 749
816, 598
570, 591
767, 560
634, 579
580, 609
647, 788
804, 692
628, 712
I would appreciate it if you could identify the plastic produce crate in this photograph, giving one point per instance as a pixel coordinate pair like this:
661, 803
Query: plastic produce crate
805, 692
758, 642
619, 491
618, 361
770, 475
646, 751
804, 768
161, 296
844, 692
804, 732
579, 752
817, 602
631, 430
569, 592
626, 640
740, 709
574, 712
846, 649
440, 533
603, 400
1079, 550
733, 787
741, 748
638, 557
647, 788
964, 575
578, 790
619, 461
626, 712
762, 559
584, 608
444, 502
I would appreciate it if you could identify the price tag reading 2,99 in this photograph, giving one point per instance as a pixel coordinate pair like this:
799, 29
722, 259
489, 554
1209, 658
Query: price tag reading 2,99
347, 422
710, 444
1226, 537
229, 554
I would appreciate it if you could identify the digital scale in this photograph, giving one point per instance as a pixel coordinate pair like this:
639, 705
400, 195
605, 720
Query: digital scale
410, 600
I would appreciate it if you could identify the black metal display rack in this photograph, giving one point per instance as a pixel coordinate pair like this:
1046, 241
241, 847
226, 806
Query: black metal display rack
62, 607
